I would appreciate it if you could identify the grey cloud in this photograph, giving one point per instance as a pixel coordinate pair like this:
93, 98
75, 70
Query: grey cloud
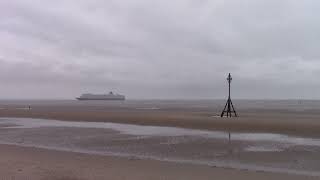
159, 49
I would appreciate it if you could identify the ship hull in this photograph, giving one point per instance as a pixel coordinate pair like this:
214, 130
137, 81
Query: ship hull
100, 99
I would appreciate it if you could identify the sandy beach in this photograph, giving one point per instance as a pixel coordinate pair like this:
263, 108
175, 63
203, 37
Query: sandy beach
38, 164
98, 141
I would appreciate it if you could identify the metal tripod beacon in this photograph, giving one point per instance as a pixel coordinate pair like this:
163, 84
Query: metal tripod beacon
228, 108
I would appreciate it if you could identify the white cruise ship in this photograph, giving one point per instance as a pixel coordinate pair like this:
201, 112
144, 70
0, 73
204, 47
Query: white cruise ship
110, 96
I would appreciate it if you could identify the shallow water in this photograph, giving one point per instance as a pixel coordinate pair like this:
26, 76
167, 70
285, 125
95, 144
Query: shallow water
139, 130
255, 151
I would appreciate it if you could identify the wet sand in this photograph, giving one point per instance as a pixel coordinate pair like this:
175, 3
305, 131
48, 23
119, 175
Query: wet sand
195, 115
39, 164
177, 154
265, 152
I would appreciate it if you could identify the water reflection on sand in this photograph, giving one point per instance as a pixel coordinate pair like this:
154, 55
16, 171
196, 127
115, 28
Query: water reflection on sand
256, 151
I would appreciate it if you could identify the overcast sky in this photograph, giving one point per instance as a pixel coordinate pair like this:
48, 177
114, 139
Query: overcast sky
160, 48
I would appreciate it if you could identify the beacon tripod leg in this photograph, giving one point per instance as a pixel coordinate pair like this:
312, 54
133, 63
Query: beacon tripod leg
224, 110
235, 113
229, 109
